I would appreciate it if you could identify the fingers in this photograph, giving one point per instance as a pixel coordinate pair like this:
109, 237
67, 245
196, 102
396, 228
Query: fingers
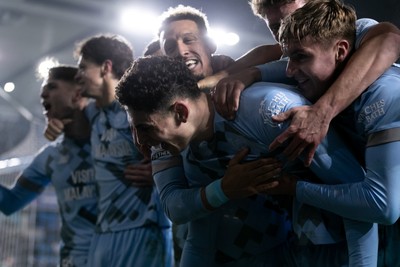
280, 139
54, 129
238, 157
268, 188
66, 121
295, 148
140, 181
232, 99
219, 99
226, 97
267, 171
281, 117
310, 155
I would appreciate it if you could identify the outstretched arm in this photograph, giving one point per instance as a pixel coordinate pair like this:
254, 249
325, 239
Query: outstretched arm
12, 200
378, 50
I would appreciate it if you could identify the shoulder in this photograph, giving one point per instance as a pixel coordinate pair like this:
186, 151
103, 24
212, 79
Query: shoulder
362, 27
271, 97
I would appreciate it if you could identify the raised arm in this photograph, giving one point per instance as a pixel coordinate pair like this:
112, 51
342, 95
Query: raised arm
378, 50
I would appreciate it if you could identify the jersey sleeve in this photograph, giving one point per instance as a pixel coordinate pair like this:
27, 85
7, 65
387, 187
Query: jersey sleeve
180, 203
275, 72
375, 199
333, 163
28, 186
362, 27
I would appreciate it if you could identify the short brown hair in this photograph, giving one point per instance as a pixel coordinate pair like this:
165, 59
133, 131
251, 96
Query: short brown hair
259, 6
104, 47
182, 12
320, 20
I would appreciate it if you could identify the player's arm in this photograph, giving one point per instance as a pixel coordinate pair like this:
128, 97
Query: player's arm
20, 195
378, 50
182, 203
256, 56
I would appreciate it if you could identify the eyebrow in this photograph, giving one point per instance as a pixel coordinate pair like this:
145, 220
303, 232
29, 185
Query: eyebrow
295, 52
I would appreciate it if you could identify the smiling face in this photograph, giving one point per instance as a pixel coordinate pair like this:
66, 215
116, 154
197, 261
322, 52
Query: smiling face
182, 38
312, 65
59, 98
160, 129
89, 77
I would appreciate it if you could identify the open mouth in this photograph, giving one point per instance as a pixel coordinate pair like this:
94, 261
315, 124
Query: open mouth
191, 63
46, 106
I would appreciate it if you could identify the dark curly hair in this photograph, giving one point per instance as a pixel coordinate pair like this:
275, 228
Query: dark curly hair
106, 46
152, 83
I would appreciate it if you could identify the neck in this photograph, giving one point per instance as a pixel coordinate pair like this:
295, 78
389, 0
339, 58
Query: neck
205, 118
108, 94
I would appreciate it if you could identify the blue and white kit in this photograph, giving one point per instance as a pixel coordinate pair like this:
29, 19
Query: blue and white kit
131, 229
68, 166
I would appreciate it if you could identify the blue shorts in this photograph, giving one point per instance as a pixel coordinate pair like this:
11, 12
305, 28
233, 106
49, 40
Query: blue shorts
149, 246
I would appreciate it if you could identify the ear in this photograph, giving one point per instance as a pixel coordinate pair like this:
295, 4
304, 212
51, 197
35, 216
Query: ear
106, 67
77, 94
181, 112
342, 50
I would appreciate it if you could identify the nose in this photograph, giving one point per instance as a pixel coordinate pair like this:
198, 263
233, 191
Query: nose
182, 49
44, 93
78, 75
290, 69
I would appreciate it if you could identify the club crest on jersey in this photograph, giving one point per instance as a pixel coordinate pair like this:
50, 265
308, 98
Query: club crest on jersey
273, 106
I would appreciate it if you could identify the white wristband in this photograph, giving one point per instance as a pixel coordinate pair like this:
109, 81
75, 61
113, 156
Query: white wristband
215, 195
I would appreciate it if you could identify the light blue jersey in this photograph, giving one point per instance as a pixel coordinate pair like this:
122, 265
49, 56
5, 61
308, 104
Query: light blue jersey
376, 118
68, 166
130, 218
206, 162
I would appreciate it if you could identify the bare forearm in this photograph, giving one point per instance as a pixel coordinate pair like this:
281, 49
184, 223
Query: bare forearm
257, 56
375, 55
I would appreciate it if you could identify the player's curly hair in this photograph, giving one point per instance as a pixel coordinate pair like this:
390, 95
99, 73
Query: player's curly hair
152, 83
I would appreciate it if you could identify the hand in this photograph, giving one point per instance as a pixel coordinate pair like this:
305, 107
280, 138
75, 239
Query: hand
246, 179
226, 96
212, 80
145, 150
55, 128
307, 129
227, 93
284, 185
140, 175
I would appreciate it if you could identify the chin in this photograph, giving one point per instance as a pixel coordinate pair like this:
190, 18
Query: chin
199, 76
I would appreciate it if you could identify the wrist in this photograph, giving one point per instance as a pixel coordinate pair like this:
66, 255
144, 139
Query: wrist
213, 196
255, 75
328, 106
327, 112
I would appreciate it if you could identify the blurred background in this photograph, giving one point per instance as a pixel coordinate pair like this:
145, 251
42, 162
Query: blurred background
33, 31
